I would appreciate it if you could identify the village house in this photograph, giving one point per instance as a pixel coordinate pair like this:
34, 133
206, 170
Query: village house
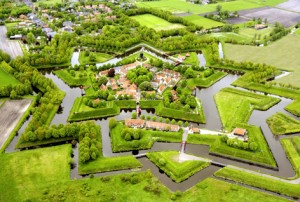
162, 126
241, 133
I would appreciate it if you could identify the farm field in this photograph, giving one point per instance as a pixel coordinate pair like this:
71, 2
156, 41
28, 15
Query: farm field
11, 47
32, 169
156, 23
281, 124
202, 21
280, 54
11, 112
179, 6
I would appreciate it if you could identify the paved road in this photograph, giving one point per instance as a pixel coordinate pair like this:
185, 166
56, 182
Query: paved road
11, 47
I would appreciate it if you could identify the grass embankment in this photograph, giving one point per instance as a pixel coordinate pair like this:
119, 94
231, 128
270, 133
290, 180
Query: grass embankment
198, 117
102, 164
294, 108
205, 82
280, 54
145, 140
262, 155
259, 181
6, 78
81, 112
99, 58
168, 161
282, 124
157, 23
143, 186
202, 21
21, 172
292, 149
19, 124
242, 103
69, 79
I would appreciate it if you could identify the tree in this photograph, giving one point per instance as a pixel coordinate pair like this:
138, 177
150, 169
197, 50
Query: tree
111, 72
133, 115
30, 38
112, 123
92, 57
13, 94
102, 80
218, 8
253, 146
190, 73
146, 86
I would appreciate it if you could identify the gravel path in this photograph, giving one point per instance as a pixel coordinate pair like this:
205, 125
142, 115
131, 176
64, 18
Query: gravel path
11, 47
10, 114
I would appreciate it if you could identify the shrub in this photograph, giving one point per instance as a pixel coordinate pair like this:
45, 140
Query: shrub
143, 117
112, 123
127, 137
148, 118
167, 120
133, 115
154, 118
162, 162
160, 119
186, 124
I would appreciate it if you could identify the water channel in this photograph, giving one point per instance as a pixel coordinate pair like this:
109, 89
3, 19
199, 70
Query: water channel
213, 123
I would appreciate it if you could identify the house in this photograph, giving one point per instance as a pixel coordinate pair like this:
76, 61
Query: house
162, 126
139, 123
103, 73
181, 57
174, 95
103, 87
113, 17
240, 132
161, 88
260, 26
187, 55
68, 24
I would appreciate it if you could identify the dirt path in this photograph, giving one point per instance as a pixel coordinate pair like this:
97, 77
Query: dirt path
11, 47
10, 114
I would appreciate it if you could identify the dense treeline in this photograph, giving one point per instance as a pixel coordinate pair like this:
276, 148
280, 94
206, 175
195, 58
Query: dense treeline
59, 51
14, 11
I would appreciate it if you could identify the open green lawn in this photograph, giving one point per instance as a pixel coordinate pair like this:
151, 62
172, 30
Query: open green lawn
168, 161
22, 171
155, 22
6, 78
202, 21
292, 149
294, 108
282, 124
181, 6
100, 57
281, 54
259, 181
297, 31
241, 105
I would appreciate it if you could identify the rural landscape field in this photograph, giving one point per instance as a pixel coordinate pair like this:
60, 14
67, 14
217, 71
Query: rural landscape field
164, 100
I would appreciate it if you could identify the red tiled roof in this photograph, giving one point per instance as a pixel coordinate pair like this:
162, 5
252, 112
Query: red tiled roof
239, 131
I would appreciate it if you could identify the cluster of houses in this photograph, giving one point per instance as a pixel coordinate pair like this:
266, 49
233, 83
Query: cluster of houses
164, 79
139, 123
87, 12
161, 80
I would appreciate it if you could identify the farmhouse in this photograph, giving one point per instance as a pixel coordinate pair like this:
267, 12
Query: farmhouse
240, 132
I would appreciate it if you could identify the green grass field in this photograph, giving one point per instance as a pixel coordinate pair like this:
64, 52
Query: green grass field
22, 171
48, 1
202, 21
281, 54
168, 161
156, 23
242, 103
6, 78
297, 31
180, 6
294, 108
292, 149
282, 124
262, 182
100, 57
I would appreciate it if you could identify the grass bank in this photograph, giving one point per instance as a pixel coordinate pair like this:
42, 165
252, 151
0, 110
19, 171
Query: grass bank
282, 124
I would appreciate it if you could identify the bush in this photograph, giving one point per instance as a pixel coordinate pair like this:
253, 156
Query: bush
148, 118
134, 115
112, 123
167, 120
154, 118
143, 117
162, 162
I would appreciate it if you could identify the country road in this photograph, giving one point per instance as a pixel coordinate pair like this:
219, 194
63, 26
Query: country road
11, 47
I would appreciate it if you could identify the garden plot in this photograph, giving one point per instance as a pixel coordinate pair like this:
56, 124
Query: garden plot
11, 47
11, 112
291, 5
